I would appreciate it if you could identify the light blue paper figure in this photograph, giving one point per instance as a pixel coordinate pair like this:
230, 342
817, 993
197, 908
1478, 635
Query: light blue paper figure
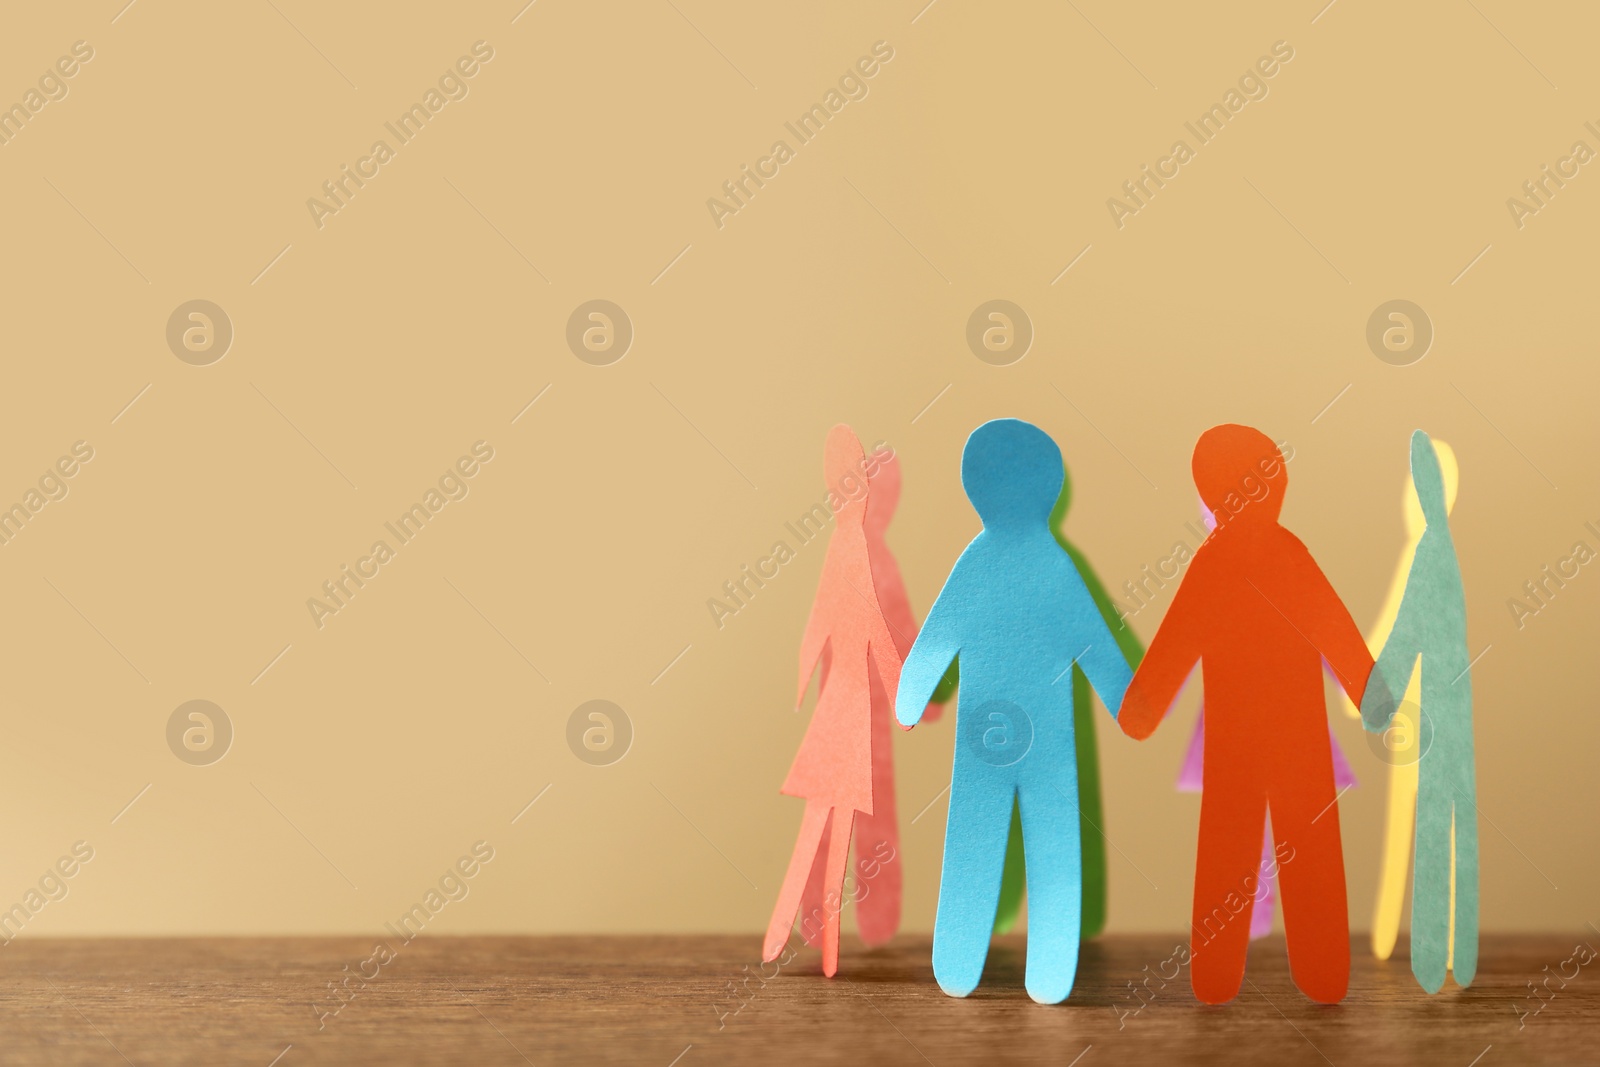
1432, 626
1019, 615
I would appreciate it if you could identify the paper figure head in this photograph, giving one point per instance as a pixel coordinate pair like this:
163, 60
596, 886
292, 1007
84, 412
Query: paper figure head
842, 466
884, 478
1012, 473
1448, 473
1240, 474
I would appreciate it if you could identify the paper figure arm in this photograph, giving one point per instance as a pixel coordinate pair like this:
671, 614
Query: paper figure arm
1304, 593
1392, 673
885, 652
812, 646
903, 628
1172, 655
1102, 662
1116, 619
1379, 634
936, 646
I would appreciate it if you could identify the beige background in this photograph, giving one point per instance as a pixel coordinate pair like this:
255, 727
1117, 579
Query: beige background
427, 313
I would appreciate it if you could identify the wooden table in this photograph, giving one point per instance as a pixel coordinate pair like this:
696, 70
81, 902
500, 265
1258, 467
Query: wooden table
656, 1001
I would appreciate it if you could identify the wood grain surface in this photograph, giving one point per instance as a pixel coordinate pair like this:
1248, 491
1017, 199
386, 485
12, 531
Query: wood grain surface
662, 1001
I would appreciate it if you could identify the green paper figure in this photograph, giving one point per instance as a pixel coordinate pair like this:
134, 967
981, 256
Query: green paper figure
1432, 626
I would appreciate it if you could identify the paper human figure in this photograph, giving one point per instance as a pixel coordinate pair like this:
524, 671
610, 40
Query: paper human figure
1401, 741
876, 892
1092, 828
1431, 627
833, 771
1258, 617
1190, 780
1017, 612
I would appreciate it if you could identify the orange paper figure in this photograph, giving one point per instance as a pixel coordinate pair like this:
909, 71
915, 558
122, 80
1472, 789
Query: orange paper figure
833, 771
1259, 617
1189, 781
877, 890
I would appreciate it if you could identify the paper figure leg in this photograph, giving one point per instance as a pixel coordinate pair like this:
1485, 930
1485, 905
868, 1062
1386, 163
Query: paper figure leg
1464, 938
1396, 858
969, 885
811, 910
1430, 892
1225, 867
1261, 913
1050, 829
1014, 879
878, 865
1316, 909
840, 825
806, 844
1091, 815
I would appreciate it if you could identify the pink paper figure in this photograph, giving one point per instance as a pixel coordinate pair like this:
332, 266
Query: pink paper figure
877, 890
1189, 779
834, 769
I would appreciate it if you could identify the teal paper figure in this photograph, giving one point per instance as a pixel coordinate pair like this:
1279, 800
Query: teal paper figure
1432, 627
1019, 615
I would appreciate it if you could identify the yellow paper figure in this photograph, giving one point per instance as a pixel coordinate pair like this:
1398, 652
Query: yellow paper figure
1402, 740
